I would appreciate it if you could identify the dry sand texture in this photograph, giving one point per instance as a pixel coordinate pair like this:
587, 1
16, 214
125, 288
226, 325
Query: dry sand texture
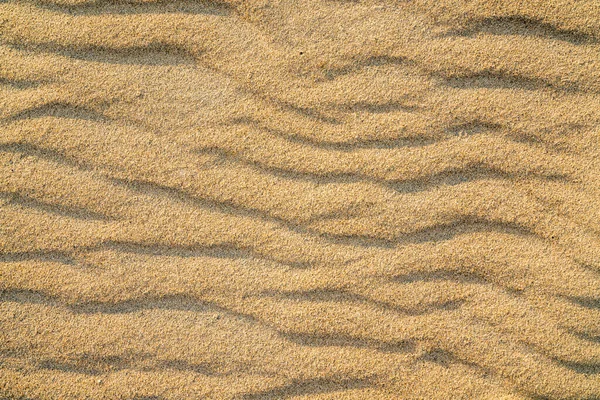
293, 199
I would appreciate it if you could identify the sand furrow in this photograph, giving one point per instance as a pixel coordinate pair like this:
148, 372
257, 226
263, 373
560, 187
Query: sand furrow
211, 7
525, 26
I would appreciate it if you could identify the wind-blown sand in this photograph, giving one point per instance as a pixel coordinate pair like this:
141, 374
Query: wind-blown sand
260, 199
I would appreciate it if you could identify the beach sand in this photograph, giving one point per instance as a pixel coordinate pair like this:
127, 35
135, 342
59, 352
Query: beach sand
295, 199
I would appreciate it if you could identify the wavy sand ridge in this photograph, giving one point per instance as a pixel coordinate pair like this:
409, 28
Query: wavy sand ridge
299, 199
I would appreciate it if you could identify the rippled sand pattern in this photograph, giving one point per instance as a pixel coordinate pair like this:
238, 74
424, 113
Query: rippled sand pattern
291, 199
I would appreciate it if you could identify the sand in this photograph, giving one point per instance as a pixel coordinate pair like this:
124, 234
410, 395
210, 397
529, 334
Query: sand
286, 199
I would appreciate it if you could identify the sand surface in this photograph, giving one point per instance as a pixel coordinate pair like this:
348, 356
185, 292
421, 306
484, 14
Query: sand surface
289, 199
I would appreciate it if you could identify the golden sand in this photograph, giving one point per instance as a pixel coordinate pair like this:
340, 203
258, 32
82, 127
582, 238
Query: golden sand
287, 199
